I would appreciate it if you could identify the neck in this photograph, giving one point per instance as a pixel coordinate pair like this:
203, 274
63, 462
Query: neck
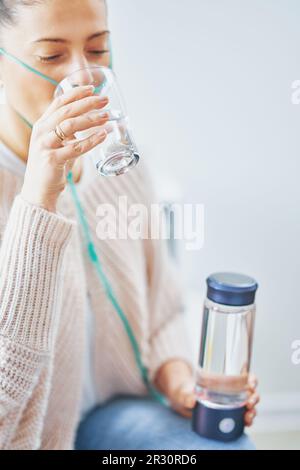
11, 125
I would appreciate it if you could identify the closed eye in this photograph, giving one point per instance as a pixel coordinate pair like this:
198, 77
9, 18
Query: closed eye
52, 58
99, 52
49, 58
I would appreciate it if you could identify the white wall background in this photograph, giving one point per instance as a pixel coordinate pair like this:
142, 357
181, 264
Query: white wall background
208, 88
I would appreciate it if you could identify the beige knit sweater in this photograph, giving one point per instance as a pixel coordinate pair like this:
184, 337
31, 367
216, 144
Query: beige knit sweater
44, 277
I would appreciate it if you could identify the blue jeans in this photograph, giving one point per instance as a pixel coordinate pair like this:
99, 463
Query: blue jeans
131, 422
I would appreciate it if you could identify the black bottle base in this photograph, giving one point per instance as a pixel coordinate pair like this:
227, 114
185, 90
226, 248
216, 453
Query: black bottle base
222, 425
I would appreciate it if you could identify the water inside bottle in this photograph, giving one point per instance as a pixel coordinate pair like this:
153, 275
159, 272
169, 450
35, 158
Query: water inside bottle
221, 390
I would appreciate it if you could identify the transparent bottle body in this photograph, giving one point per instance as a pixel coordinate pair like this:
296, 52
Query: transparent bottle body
225, 355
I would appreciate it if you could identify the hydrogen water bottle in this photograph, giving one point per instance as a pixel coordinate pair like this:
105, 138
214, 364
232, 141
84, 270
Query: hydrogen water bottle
225, 355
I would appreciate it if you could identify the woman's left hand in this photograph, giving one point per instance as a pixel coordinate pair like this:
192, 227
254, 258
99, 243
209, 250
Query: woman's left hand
183, 399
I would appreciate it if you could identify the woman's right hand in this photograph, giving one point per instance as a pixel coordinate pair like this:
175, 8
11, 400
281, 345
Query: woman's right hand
49, 161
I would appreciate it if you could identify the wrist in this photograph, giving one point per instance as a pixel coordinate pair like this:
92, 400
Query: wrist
47, 204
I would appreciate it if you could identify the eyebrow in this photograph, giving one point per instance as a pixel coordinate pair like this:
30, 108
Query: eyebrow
93, 36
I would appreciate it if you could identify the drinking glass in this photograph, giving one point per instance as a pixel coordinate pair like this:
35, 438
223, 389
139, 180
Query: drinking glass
118, 152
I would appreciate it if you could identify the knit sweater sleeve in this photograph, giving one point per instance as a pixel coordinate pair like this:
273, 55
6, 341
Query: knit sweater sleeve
31, 254
168, 335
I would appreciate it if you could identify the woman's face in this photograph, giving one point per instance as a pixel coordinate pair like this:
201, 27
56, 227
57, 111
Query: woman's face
55, 37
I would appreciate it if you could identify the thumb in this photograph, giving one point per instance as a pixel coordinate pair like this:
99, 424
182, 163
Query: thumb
69, 166
185, 395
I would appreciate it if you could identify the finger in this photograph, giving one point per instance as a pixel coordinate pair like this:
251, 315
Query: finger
187, 386
75, 109
69, 127
252, 381
249, 417
74, 94
108, 127
185, 394
186, 413
80, 147
69, 166
251, 388
189, 400
253, 401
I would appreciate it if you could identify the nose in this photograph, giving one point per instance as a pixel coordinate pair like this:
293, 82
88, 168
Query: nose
79, 69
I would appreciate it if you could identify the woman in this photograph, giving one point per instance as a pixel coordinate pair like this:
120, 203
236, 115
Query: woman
59, 389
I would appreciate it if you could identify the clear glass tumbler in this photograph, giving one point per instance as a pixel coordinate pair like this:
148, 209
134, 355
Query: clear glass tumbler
118, 153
